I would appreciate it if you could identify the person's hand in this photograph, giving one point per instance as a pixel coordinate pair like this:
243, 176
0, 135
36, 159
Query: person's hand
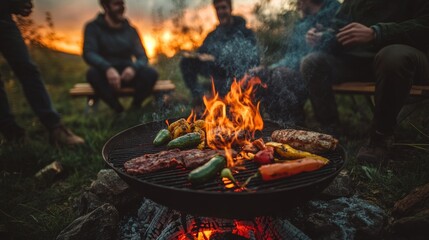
189, 54
113, 78
205, 57
313, 37
256, 70
128, 74
355, 33
25, 9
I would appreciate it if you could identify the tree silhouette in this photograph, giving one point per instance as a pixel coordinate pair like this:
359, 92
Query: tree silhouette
36, 35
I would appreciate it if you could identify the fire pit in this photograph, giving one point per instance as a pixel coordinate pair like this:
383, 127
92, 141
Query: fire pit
171, 187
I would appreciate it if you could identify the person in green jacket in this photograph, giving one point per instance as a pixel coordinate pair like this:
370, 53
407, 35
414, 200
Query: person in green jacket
385, 41
110, 45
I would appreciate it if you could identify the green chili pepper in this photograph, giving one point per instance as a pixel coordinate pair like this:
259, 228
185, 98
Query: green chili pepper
207, 171
226, 173
162, 137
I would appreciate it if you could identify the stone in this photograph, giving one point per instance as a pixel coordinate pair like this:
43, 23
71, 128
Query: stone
411, 215
341, 186
86, 203
110, 188
413, 203
412, 227
100, 224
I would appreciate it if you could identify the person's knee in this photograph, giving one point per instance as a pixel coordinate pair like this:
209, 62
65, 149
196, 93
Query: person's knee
312, 65
395, 58
93, 75
147, 75
311, 61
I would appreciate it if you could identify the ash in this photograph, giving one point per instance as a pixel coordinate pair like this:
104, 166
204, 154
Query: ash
156, 222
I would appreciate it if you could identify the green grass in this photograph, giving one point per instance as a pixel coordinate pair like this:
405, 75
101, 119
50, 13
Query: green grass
29, 210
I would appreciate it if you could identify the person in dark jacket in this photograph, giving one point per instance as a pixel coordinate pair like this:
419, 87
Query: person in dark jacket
385, 41
14, 50
226, 53
110, 43
286, 93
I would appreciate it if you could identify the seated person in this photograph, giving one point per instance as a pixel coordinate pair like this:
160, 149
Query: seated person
110, 43
286, 93
383, 41
226, 53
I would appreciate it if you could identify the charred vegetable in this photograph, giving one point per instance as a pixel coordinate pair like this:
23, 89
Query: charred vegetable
289, 168
207, 171
188, 140
179, 128
163, 137
265, 156
289, 153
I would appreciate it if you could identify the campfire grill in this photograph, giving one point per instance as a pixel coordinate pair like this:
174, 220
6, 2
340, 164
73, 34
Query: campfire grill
171, 188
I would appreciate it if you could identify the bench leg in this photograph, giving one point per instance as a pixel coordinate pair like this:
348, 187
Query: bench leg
161, 99
371, 103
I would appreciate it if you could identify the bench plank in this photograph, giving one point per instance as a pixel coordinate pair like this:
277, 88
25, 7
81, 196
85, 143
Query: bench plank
85, 89
369, 89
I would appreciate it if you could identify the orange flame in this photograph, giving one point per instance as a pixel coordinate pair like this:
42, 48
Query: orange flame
234, 119
202, 235
192, 117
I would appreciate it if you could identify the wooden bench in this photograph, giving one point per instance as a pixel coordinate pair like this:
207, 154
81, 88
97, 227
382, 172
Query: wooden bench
420, 93
161, 90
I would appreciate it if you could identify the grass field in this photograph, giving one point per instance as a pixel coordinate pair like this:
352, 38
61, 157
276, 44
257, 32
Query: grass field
30, 210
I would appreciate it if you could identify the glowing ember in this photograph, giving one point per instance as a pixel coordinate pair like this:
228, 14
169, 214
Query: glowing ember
228, 183
234, 119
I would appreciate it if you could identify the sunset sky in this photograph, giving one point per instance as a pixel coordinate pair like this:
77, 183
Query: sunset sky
69, 18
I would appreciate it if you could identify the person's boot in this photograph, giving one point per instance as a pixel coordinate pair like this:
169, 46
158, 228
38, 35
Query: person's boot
61, 136
376, 151
13, 132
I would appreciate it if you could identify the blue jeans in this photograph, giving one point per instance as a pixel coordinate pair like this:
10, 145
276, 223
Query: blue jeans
14, 50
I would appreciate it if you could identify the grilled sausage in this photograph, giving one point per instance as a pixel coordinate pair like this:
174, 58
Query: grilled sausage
313, 142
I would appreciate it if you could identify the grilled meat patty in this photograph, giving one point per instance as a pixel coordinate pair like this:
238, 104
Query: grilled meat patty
168, 159
308, 141
153, 162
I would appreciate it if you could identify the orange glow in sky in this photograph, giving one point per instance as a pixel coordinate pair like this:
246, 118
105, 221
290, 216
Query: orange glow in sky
164, 38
